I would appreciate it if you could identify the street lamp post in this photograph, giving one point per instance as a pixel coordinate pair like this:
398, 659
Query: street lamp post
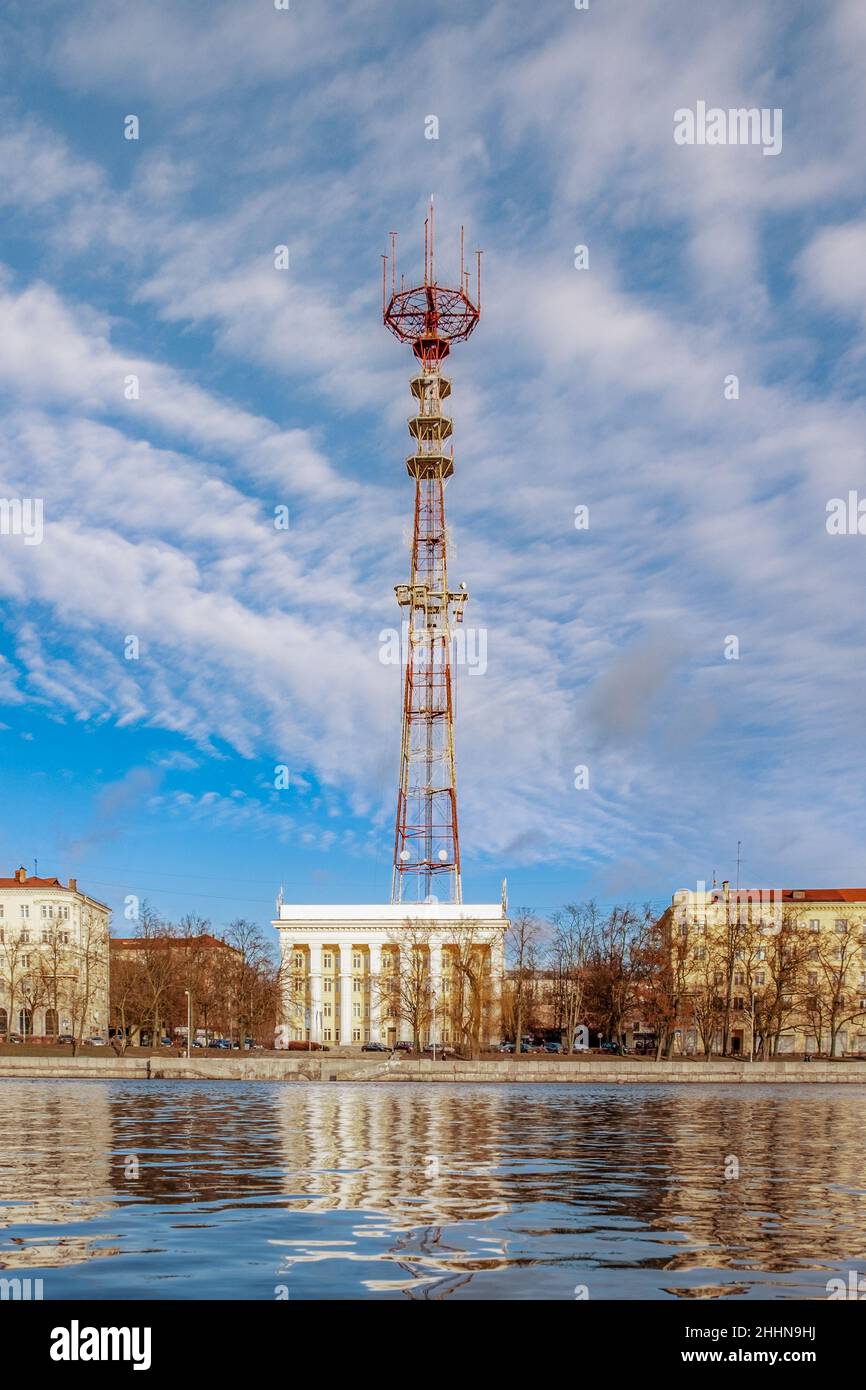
188, 1022
433, 997
752, 1057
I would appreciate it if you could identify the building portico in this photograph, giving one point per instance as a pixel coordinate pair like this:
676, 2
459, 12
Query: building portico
420, 972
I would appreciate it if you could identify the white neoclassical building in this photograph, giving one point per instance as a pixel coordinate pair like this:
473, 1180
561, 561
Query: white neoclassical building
404, 972
53, 959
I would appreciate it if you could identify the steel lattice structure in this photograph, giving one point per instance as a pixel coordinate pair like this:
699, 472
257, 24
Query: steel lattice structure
426, 841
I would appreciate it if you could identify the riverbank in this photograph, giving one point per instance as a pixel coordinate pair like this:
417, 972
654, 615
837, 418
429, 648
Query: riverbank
306, 1067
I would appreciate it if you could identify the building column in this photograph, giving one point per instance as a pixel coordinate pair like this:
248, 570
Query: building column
404, 1026
375, 979
345, 994
497, 973
436, 988
315, 991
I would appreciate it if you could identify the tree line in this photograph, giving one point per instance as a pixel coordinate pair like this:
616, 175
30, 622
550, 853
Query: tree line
230, 982
608, 967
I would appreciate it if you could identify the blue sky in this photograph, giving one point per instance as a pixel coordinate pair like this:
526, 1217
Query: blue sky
260, 388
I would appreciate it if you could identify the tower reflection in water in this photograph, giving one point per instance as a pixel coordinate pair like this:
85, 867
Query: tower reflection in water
223, 1190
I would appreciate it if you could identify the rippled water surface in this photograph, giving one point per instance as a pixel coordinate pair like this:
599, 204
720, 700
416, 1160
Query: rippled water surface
217, 1190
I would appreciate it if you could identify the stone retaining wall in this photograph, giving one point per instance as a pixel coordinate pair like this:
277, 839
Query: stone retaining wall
318, 1067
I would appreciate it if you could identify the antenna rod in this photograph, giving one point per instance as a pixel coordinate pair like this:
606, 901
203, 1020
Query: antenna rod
478, 296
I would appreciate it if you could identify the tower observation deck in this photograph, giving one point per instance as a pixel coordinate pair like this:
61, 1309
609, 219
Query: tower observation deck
430, 317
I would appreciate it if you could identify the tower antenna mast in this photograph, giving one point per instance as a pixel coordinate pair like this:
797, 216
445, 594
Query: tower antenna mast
430, 317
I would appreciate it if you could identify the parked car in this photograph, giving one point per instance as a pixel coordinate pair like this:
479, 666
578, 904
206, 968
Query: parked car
374, 1047
222, 1043
402, 1046
96, 1041
506, 1047
553, 1047
66, 1038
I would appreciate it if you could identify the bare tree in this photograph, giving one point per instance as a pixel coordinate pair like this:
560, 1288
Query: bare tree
90, 972
253, 978
12, 951
158, 966
521, 943
569, 951
838, 955
471, 994
406, 991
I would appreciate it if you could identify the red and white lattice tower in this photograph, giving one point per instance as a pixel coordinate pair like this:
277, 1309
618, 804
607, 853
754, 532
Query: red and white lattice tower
431, 317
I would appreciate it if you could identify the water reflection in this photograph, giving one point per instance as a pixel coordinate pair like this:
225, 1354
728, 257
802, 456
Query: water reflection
184, 1190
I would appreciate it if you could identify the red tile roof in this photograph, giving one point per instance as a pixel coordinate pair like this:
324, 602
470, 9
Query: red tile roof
805, 895
136, 943
32, 883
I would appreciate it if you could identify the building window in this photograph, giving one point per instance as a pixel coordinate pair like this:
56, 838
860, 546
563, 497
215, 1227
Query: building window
2, 912
25, 962
25, 910
64, 913
328, 961
329, 986
299, 961
356, 1035
759, 978
44, 938
327, 1035
813, 979
700, 953
25, 938
814, 924
840, 925
739, 978
356, 961
356, 986
356, 1011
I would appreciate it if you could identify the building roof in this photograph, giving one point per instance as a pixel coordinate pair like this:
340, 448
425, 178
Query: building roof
803, 895
351, 914
31, 882
136, 943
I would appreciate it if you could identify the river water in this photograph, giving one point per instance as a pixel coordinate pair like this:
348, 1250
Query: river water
302, 1191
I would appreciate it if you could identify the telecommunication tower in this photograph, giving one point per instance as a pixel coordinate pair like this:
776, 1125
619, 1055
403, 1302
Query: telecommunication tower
430, 317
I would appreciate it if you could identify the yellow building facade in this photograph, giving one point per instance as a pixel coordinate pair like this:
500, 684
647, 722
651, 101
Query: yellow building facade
769, 972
